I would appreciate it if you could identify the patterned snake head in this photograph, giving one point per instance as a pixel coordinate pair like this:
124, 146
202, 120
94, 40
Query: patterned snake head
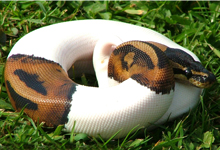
194, 73
186, 69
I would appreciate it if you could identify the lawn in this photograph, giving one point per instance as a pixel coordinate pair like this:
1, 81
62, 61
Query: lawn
194, 25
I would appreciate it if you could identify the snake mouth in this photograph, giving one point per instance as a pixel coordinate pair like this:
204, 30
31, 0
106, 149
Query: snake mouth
200, 79
203, 81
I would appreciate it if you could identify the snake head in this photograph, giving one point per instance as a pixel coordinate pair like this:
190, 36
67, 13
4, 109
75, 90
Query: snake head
187, 70
199, 76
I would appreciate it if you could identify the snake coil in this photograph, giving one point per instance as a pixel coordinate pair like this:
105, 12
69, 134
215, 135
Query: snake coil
135, 73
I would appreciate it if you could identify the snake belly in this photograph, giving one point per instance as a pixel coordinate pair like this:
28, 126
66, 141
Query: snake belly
36, 78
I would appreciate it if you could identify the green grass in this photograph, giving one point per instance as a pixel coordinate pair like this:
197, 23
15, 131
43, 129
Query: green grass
194, 25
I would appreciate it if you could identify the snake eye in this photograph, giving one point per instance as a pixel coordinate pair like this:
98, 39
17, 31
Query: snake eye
188, 73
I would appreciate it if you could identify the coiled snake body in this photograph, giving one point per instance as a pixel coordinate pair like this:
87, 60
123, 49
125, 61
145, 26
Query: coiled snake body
136, 82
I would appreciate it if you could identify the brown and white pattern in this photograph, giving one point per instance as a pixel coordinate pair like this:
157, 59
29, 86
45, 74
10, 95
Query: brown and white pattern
36, 77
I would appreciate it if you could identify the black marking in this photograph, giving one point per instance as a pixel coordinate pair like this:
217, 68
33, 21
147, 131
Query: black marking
124, 64
139, 55
187, 73
160, 55
70, 89
64, 119
162, 90
31, 80
20, 101
58, 70
31, 59
141, 79
154, 85
17, 56
181, 57
178, 71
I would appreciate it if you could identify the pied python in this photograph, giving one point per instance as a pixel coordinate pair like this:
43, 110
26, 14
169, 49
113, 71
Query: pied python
136, 81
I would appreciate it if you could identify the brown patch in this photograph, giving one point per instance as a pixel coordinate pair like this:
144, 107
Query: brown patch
26, 76
130, 60
144, 48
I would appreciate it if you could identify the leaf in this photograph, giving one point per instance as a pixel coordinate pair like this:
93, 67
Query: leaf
135, 12
14, 31
5, 105
60, 3
94, 8
185, 34
42, 7
81, 136
170, 20
25, 5
163, 144
208, 139
215, 8
37, 21
136, 143
199, 17
72, 133
58, 130
217, 52
106, 15
181, 20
